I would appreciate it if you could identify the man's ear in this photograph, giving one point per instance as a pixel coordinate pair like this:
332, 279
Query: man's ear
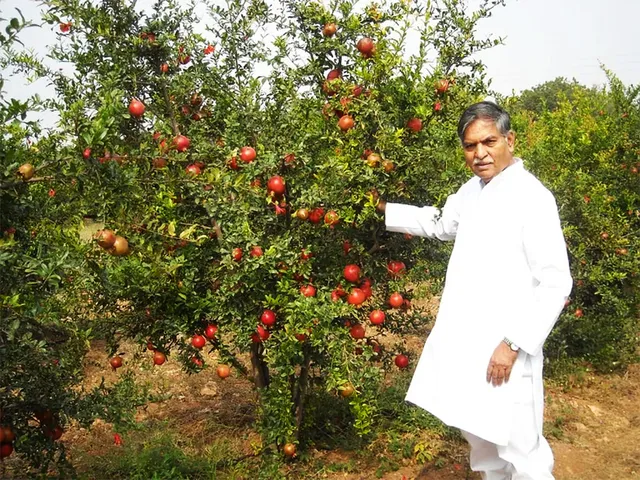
511, 140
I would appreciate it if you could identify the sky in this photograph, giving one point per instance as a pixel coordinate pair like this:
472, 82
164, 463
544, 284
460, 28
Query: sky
543, 39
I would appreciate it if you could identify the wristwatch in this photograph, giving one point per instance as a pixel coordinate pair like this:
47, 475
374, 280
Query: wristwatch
511, 345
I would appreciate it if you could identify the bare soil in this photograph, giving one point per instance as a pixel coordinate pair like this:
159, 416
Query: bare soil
592, 425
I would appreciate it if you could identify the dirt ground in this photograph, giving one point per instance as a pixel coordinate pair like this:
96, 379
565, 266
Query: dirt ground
594, 430
593, 425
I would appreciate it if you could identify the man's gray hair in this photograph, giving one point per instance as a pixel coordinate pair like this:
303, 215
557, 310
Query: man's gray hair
484, 111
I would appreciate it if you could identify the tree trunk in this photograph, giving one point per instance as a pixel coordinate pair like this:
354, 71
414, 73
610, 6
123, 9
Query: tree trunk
303, 383
258, 366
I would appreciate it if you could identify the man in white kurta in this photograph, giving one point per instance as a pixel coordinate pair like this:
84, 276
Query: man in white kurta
507, 281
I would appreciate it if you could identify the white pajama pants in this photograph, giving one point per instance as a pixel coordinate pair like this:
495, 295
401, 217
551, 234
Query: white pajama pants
527, 456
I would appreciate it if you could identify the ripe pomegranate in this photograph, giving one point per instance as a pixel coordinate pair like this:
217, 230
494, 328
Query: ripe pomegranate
437, 106
352, 273
289, 450
347, 390
86, 154
329, 29
210, 331
357, 331
223, 371
159, 163
120, 247
181, 143
396, 300
247, 154
115, 362
26, 171
198, 341
366, 47
256, 251
302, 214
268, 318
159, 358
442, 85
356, 297
276, 185
331, 218
192, 170
209, 49
105, 238
316, 215
396, 268
308, 290
236, 253
164, 68
6, 432
388, 166
346, 123
579, 313
65, 27
263, 333
377, 317
414, 124
402, 361
136, 108
53, 433
6, 449
374, 159
333, 74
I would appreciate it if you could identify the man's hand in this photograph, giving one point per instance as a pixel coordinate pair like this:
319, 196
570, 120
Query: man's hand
500, 365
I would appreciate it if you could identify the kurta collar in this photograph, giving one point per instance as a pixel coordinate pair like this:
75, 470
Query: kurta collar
511, 170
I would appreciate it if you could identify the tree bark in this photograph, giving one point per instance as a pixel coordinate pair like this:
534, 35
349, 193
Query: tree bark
303, 383
259, 367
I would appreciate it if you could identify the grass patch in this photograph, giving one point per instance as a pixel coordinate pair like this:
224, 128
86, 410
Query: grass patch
157, 453
159, 450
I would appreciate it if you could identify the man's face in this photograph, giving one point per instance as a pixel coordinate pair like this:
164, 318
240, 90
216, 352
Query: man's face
486, 151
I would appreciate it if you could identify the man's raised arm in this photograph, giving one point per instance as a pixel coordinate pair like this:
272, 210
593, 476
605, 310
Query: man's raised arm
422, 221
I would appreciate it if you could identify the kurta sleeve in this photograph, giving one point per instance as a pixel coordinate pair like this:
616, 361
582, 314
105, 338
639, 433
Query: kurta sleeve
424, 221
546, 255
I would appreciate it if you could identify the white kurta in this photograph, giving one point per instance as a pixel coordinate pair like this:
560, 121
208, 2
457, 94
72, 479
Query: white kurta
508, 276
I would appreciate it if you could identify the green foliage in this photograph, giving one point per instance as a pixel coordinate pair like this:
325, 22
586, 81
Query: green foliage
161, 457
586, 151
228, 88
180, 275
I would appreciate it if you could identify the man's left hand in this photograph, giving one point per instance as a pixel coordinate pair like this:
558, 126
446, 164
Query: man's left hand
500, 365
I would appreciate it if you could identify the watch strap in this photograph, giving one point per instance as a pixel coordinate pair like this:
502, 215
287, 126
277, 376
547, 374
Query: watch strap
510, 344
